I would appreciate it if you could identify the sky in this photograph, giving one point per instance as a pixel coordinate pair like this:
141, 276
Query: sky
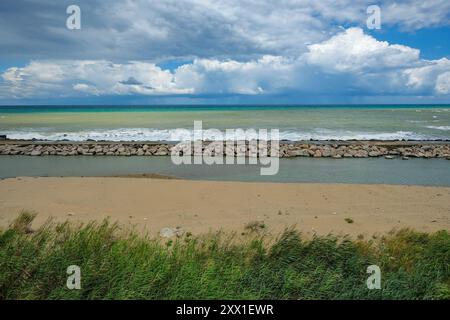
224, 52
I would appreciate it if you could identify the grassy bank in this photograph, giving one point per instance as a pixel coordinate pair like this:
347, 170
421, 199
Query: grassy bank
115, 265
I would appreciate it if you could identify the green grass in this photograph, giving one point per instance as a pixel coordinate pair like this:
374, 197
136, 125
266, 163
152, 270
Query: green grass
119, 265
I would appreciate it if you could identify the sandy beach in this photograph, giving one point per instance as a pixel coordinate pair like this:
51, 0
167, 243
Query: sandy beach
202, 206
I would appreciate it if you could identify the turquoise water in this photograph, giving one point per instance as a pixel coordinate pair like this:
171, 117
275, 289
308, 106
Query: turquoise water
176, 108
373, 170
157, 123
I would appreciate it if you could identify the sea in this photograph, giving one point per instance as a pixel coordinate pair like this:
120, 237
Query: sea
162, 123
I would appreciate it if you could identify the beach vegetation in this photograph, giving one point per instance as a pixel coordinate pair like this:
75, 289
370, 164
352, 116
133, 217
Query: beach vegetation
255, 226
119, 264
349, 220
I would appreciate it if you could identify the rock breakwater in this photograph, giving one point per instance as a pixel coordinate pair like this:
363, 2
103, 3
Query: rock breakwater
286, 149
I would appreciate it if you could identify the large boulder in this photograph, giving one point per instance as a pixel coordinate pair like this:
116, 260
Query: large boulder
35, 153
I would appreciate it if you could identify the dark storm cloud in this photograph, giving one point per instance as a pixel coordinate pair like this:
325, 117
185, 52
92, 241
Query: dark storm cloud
131, 81
116, 30
164, 29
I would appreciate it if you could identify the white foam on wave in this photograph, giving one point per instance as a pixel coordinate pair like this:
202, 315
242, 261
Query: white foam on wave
444, 128
325, 134
148, 134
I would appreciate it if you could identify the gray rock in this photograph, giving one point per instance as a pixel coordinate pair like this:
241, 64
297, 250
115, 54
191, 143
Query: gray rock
166, 233
317, 154
326, 152
410, 155
161, 152
347, 155
298, 153
361, 154
389, 157
229, 151
35, 153
171, 232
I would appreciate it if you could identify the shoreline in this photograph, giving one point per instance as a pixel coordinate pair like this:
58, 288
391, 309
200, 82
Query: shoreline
202, 206
287, 149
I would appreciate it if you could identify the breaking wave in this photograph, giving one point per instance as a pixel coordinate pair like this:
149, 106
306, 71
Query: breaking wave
444, 128
146, 134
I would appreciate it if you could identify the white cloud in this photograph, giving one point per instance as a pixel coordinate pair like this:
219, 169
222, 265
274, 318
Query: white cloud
265, 75
431, 76
350, 62
443, 83
83, 87
352, 51
416, 14
98, 77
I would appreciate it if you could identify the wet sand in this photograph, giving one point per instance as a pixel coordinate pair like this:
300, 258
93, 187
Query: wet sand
202, 206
